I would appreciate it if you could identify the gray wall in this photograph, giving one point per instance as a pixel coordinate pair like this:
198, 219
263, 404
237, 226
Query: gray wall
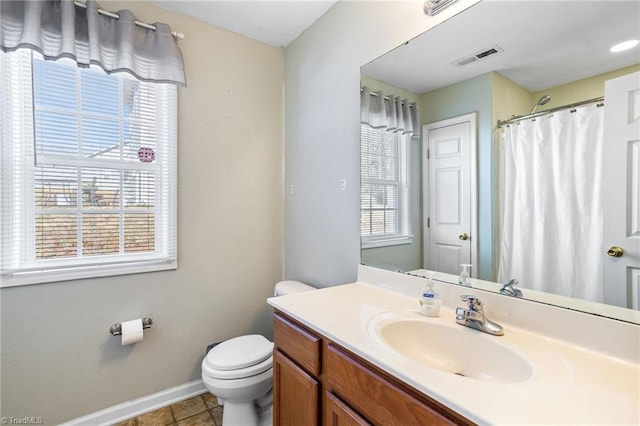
58, 359
322, 101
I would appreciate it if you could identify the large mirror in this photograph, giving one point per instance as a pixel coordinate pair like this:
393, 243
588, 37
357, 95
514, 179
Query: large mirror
498, 61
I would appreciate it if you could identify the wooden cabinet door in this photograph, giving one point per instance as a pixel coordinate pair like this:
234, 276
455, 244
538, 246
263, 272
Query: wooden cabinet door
296, 394
337, 413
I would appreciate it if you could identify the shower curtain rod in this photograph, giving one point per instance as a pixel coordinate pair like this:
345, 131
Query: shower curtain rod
83, 4
551, 110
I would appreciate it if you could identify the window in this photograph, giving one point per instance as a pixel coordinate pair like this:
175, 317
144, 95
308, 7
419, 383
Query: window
88, 172
384, 196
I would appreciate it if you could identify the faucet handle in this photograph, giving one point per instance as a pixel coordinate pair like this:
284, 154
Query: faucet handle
475, 304
510, 290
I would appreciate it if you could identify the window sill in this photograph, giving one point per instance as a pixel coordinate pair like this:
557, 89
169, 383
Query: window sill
42, 276
384, 242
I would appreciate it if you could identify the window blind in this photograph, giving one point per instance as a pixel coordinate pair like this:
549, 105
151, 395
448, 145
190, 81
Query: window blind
384, 186
88, 172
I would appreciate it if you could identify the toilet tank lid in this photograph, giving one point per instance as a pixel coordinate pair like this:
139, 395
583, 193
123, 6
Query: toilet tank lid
290, 287
239, 352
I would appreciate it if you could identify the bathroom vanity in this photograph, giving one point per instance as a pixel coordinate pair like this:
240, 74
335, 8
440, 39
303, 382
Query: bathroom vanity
319, 381
362, 354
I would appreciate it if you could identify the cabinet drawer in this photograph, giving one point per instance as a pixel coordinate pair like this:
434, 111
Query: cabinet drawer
380, 398
298, 343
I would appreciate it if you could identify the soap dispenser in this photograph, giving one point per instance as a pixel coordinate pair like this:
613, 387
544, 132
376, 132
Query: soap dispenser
430, 301
463, 279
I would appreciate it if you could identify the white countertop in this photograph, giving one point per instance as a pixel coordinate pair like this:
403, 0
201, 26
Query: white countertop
568, 385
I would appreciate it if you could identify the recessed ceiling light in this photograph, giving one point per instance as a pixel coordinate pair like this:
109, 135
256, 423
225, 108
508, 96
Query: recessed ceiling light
625, 45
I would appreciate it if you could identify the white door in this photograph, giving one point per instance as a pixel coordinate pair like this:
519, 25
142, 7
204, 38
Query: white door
449, 186
621, 180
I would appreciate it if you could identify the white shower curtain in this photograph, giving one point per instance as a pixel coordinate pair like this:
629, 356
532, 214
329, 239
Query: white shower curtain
551, 203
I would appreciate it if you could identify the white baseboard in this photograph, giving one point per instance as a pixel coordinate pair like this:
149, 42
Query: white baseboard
133, 408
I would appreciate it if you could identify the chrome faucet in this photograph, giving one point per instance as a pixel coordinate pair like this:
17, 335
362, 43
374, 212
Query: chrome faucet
509, 290
474, 317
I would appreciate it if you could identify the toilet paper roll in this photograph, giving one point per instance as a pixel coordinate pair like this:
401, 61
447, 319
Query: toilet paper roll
131, 331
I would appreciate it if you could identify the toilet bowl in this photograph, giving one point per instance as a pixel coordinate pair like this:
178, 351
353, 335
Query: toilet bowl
239, 372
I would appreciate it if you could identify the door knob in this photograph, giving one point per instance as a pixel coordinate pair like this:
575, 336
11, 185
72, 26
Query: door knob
464, 236
615, 251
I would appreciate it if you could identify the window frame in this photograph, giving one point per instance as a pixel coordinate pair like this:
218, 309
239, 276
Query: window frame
20, 266
403, 235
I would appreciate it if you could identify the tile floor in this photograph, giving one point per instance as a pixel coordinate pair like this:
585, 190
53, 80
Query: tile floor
201, 410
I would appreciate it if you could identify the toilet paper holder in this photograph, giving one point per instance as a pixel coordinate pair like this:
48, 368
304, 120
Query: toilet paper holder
116, 329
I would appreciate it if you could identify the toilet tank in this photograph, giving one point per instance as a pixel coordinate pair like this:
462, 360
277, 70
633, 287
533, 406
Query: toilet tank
290, 287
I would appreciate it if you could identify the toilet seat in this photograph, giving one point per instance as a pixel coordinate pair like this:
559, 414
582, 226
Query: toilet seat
240, 357
242, 373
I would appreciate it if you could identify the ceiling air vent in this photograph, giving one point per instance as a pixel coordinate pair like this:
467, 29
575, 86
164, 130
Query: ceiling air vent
485, 53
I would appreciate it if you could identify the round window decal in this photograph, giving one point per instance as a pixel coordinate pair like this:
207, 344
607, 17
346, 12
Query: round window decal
146, 155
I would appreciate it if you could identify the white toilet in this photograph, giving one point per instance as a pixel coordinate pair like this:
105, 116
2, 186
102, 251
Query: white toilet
239, 372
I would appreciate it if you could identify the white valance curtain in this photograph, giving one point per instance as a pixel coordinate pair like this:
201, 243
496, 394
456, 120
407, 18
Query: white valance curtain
551, 203
60, 28
387, 111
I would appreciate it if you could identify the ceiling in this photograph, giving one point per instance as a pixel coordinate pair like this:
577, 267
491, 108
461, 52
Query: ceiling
544, 43
277, 23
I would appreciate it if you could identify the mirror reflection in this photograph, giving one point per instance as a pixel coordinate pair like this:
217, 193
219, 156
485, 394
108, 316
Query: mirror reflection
492, 149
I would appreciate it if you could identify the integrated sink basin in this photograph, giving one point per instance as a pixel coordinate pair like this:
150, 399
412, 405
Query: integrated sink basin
454, 349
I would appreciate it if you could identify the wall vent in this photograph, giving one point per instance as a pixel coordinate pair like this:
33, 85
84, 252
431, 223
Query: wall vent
484, 53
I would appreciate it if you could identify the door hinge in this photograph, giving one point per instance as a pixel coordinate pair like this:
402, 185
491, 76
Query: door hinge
428, 153
428, 222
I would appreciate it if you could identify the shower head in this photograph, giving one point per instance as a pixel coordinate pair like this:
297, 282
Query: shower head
543, 100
